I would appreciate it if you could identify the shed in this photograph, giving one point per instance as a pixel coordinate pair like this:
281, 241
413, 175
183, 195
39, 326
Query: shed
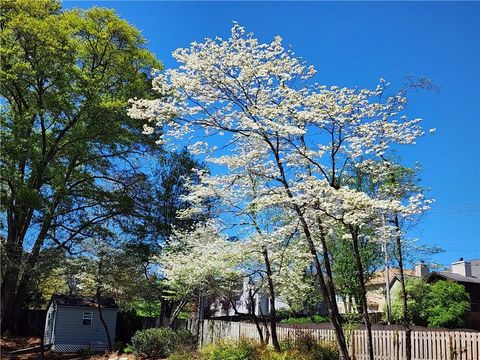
73, 323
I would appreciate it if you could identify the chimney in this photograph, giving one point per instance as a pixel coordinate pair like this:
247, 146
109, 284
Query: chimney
462, 267
421, 269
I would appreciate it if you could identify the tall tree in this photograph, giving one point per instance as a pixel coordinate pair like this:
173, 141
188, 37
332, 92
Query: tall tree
267, 115
345, 270
68, 146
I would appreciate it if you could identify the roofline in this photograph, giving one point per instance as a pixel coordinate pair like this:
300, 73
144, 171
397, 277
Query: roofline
52, 298
443, 276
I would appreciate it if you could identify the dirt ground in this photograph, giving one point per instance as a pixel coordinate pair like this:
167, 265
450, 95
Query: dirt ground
10, 344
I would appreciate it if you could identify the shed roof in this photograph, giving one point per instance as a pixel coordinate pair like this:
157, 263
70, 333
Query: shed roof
82, 301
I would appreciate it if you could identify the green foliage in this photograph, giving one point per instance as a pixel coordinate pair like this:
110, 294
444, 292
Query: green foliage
353, 318
147, 308
306, 319
85, 353
69, 149
344, 269
448, 304
231, 350
182, 355
442, 304
161, 342
128, 349
417, 292
305, 347
185, 341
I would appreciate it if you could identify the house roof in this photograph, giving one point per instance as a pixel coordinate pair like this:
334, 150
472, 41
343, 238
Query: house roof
455, 277
82, 301
379, 276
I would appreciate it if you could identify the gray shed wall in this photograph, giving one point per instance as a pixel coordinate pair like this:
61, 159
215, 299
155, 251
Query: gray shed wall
69, 328
49, 324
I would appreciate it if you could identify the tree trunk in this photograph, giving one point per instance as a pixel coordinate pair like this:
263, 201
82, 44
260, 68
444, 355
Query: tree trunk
334, 314
9, 286
14, 283
406, 317
176, 312
363, 291
251, 309
327, 295
265, 325
102, 320
330, 285
273, 311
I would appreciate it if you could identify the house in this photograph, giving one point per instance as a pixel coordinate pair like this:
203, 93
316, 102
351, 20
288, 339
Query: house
376, 288
73, 323
241, 302
466, 273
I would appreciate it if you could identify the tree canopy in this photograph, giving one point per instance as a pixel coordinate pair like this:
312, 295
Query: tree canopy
68, 147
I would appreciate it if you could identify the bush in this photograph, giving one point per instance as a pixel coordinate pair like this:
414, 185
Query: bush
184, 355
231, 350
448, 304
444, 303
161, 342
285, 313
185, 341
85, 353
306, 347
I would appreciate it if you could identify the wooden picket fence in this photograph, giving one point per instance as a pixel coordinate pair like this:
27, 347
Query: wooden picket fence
388, 344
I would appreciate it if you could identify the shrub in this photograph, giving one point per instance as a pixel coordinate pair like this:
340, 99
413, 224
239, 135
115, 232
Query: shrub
128, 349
306, 347
285, 313
153, 343
444, 303
231, 350
448, 304
85, 353
184, 355
185, 341
161, 342
417, 293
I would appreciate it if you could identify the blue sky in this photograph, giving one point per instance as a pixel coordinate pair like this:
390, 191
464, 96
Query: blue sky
356, 43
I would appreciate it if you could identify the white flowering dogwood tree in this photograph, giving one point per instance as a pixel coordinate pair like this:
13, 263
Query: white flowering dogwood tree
253, 109
264, 237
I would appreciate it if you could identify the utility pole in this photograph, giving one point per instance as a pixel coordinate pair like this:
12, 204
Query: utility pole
387, 277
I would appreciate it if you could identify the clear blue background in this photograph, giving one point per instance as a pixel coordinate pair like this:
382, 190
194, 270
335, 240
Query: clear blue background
356, 43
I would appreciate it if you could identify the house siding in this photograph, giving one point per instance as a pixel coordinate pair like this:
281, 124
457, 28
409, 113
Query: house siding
69, 328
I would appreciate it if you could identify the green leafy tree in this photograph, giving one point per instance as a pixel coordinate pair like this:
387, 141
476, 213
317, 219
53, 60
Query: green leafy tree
441, 304
417, 292
68, 147
345, 271
448, 304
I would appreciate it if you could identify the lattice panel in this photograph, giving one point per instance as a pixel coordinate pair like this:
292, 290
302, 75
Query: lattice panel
67, 348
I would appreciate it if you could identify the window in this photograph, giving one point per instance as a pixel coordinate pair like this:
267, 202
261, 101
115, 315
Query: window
49, 319
87, 318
